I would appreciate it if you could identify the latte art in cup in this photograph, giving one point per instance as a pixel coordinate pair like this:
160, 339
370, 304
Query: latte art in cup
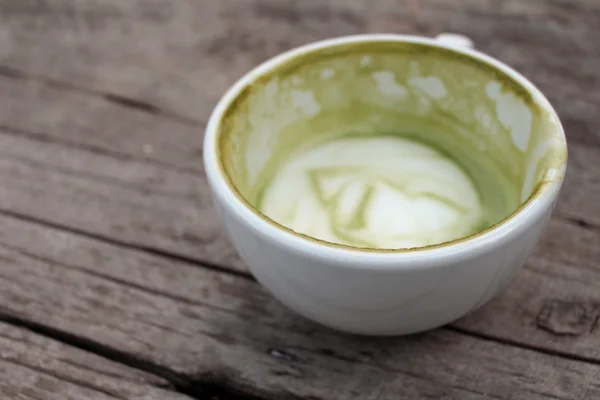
377, 192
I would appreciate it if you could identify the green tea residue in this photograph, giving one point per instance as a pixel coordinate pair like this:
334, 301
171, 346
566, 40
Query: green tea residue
377, 191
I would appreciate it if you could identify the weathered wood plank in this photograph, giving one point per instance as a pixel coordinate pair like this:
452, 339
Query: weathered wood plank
81, 182
164, 52
131, 201
91, 121
168, 74
554, 304
223, 329
102, 109
34, 367
169, 210
141, 202
154, 54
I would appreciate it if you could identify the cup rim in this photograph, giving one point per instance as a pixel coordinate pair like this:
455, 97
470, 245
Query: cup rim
527, 214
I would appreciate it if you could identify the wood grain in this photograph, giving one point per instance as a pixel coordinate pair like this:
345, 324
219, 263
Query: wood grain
224, 330
108, 241
124, 116
145, 202
33, 367
182, 56
157, 209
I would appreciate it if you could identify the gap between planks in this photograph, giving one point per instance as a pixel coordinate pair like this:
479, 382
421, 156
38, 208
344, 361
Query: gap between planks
173, 377
206, 386
123, 244
124, 101
200, 388
196, 262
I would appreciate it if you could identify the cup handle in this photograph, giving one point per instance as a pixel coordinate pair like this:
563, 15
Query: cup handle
454, 40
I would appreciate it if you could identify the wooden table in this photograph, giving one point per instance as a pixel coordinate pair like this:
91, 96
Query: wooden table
116, 280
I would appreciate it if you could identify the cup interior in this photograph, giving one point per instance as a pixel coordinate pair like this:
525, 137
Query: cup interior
494, 142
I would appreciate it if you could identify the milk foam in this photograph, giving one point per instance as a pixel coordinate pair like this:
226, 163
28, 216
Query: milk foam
378, 192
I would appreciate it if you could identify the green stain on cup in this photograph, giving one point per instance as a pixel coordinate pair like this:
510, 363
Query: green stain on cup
387, 145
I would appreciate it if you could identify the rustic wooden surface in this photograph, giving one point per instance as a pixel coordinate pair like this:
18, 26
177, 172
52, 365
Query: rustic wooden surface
116, 280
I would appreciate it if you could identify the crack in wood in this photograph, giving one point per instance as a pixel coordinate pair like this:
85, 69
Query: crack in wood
127, 245
580, 222
208, 384
524, 346
108, 278
187, 259
181, 299
198, 387
123, 101
43, 138
54, 38
133, 103
43, 166
202, 264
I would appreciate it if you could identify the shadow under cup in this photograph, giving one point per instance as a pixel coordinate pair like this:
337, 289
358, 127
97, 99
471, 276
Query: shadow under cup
388, 145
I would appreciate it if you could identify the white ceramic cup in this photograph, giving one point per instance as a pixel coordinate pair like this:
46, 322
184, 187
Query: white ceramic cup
391, 292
